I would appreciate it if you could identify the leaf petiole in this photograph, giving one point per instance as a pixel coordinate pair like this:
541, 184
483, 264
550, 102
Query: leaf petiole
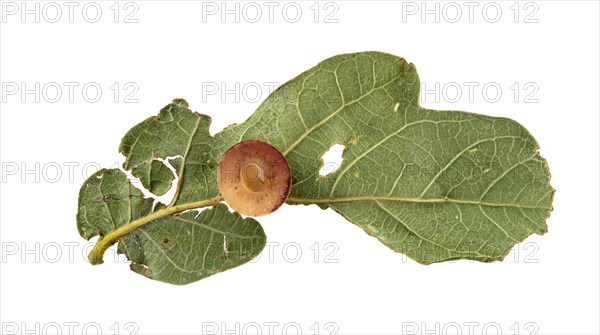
106, 241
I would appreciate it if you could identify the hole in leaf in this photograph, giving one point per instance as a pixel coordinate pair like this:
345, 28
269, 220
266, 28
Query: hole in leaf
168, 196
332, 160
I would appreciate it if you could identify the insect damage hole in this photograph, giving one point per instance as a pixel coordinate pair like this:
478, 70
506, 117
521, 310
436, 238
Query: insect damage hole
170, 194
331, 160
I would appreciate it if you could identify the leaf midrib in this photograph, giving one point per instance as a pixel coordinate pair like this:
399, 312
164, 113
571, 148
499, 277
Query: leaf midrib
408, 200
183, 162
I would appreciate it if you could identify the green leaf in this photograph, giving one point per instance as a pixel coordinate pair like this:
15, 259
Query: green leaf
108, 201
172, 243
435, 185
180, 136
181, 249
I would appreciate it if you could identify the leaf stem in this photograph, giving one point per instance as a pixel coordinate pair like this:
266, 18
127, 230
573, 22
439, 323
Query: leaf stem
106, 241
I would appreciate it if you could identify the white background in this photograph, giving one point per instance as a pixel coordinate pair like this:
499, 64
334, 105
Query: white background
348, 283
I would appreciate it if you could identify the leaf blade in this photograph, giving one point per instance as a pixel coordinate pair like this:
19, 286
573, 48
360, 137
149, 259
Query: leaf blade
406, 158
435, 185
178, 250
167, 246
180, 137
